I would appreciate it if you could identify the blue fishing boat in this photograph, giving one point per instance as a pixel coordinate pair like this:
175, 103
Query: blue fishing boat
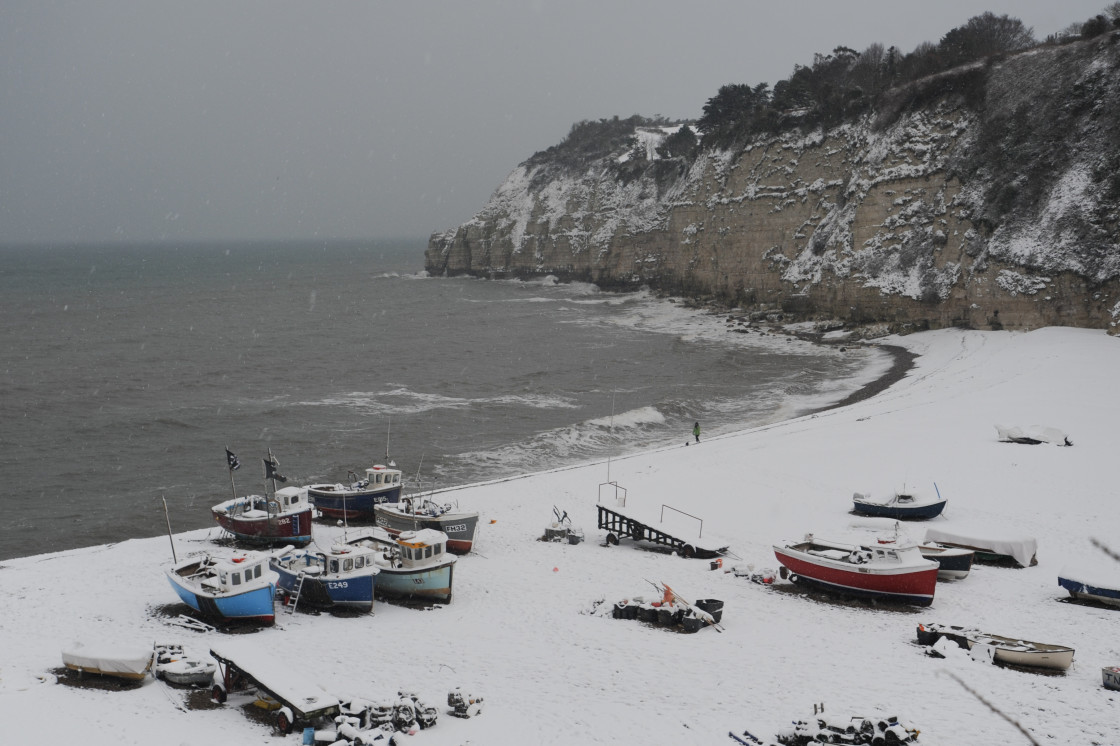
343, 577
355, 500
900, 506
414, 564
1086, 586
238, 588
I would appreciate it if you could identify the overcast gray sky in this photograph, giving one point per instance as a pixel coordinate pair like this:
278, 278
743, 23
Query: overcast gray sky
179, 120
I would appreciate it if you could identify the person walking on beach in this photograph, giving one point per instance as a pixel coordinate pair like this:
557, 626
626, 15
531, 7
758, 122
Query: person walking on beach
696, 432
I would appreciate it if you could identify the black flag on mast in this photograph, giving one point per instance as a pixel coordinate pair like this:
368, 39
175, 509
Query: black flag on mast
270, 469
231, 459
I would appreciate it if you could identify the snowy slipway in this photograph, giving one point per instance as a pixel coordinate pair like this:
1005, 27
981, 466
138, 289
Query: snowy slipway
520, 631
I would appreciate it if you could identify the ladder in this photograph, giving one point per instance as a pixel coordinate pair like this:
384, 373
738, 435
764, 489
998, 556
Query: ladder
293, 600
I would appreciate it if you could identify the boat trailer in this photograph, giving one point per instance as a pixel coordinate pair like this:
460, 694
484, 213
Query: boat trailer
619, 526
296, 707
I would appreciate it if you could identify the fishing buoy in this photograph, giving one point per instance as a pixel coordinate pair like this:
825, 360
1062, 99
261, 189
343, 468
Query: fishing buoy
556, 569
493, 521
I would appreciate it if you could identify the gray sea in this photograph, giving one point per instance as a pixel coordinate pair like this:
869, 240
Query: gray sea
126, 371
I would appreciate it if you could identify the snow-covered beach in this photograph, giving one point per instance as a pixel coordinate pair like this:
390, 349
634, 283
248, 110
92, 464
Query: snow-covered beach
523, 630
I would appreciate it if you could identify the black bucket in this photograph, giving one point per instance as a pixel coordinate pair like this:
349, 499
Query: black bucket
711, 605
647, 614
619, 611
691, 623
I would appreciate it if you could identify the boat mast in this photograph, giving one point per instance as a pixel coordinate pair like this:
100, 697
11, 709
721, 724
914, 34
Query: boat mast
610, 431
167, 518
419, 492
230, 463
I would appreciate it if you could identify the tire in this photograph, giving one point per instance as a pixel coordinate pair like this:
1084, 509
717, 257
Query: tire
218, 694
688, 551
612, 539
283, 724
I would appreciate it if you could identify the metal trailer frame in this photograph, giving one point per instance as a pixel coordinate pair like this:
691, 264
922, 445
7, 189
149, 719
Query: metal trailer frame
236, 678
619, 526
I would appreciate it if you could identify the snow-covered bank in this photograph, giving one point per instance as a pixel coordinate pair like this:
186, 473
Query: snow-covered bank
519, 632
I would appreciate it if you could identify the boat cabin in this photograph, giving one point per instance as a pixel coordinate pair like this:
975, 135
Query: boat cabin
283, 501
421, 547
381, 476
233, 573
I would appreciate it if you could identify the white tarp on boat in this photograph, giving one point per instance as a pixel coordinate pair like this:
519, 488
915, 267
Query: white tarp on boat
113, 659
1032, 434
1023, 549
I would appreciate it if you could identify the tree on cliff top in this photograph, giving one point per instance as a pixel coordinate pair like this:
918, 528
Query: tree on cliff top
983, 36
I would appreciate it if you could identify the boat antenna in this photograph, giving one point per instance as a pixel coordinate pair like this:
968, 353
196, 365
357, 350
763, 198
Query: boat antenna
414, 506
610, 431
167, 518
388, 430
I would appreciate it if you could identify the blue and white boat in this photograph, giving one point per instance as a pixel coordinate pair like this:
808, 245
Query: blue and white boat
356, 500
1086, 585
414, 564
900, 506
343, 577
238, 588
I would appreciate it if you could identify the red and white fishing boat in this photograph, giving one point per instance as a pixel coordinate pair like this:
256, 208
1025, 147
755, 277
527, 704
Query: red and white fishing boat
894, 573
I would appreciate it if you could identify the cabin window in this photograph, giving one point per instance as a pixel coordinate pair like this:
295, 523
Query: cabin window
359, 562
334, 565
222, 578
427, 551
237, 578
347, 565
257, 571
437, 549
396, 479
379, 479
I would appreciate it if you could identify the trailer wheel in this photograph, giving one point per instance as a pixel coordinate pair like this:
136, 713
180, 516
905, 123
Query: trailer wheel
218, 694
283, 724
612, 540
688, 551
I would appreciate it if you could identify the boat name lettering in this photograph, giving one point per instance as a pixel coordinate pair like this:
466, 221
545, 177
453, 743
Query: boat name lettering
336, 584
455, 528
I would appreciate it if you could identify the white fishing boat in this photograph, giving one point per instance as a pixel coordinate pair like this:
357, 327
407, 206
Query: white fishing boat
1007, 650
175, 665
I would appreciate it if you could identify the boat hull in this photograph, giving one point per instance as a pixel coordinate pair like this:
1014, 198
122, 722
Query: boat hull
911, 586
459, 527
953, 563
187, 672
900, 512
351, 505
352, 592
254, 605
428, 584
1004, 650
1086, 591
294, 528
